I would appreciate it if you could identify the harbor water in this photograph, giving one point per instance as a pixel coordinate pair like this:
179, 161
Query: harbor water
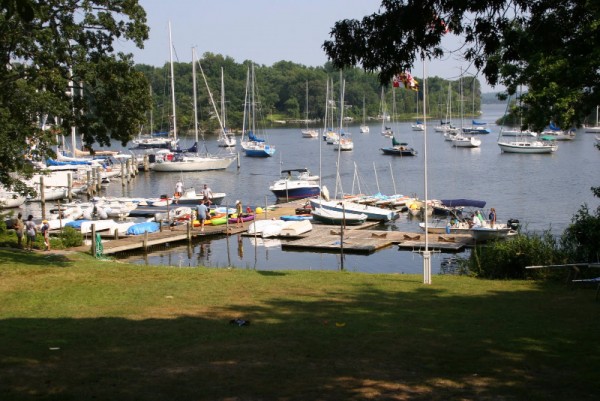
542, 191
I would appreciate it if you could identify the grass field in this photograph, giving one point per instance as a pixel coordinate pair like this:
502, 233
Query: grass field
75, 328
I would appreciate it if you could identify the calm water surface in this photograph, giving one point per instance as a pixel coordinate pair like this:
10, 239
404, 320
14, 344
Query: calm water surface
542, 191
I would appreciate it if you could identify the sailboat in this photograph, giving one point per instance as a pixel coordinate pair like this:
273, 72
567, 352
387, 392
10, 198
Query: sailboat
226, 138
446, 126
418, 125
460, 139
385, 117
253, 146
593, 129
308, 132
477, 127
188, 161
344, 141
364, 128
397, 148
521, 145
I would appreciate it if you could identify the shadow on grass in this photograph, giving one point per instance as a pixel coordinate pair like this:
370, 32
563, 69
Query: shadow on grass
35, 258
416, 342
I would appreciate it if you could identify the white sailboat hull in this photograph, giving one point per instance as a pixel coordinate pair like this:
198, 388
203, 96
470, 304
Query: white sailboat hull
534, 147
194, 164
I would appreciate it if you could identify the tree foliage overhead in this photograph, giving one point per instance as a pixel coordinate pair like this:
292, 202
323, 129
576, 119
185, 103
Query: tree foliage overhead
59, 69
549, 47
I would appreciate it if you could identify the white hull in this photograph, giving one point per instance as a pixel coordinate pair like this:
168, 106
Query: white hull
295, 228
194, 164
310, 133
11, 199
364, 129
534, 147
482, 234
372, 212
100, 225
460, 141
344, 145
592, 130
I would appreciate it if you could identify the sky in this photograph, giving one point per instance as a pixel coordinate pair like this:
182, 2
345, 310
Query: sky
264, 31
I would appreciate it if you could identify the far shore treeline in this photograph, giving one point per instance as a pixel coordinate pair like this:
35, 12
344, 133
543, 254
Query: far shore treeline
281, 93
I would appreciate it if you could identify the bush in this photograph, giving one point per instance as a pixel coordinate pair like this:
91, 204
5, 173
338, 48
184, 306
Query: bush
581, 240
71, 237
508, 259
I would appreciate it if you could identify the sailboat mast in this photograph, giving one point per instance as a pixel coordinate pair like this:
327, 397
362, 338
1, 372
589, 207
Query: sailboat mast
194, 91
244, 121
172, 84
253, 101
223, 99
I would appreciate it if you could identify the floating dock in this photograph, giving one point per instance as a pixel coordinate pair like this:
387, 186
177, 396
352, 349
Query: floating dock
362, 239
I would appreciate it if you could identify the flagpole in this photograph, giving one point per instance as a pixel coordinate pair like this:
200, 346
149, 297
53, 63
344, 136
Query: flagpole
426, 252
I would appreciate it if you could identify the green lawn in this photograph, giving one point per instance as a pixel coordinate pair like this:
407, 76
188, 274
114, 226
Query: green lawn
74, 328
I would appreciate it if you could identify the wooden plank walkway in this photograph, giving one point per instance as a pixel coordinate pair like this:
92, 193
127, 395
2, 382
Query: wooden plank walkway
180, 232
327, 238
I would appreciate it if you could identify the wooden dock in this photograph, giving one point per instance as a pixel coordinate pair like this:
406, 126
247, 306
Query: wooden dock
362, 239
328, 239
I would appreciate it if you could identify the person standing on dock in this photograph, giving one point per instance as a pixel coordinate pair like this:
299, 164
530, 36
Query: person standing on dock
238, 210
207, 194
202, 211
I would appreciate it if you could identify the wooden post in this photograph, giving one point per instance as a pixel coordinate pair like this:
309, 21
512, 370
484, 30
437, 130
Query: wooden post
70, 186
42, 197
116, 233
94, 245
227, 218
145, 241
98, 180
89, 183
128, 168
146, 163
189, 231
123, 172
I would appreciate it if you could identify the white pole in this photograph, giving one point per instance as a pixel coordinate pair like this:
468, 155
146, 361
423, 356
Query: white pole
426, 253
393, 180
172, 84
195, 101
376, 179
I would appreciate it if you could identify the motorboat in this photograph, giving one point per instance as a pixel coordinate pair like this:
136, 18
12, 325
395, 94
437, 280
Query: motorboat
298, 186
191, 197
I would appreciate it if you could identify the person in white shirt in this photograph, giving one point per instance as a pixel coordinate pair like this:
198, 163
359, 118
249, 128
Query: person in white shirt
178, 190
207, 194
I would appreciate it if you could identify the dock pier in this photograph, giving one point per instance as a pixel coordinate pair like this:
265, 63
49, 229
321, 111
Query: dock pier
361, 239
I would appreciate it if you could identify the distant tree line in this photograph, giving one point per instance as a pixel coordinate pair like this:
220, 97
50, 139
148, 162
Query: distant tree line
282, 92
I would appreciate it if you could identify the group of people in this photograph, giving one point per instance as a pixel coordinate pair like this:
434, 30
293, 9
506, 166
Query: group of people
202, 213
207, 193
29, 229
477, 219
